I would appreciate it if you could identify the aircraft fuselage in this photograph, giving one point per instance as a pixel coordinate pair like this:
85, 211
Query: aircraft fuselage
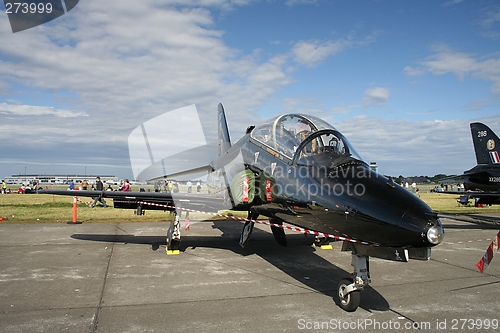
483, 177
339, 196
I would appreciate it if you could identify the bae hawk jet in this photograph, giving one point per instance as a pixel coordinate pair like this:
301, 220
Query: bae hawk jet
483, 181
299, 170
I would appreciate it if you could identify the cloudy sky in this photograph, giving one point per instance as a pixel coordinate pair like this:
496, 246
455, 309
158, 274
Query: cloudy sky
401, 79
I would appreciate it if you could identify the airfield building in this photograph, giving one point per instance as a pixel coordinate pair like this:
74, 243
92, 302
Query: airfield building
59, 179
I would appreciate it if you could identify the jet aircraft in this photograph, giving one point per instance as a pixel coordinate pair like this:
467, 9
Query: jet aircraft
300, 170
483, 180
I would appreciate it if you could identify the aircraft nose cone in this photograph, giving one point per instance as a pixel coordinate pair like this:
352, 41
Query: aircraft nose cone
435, 234
423, 220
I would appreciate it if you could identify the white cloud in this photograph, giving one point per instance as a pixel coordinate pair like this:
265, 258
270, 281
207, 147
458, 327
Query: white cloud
123, 69
413, 148
461, 65
492, 17
311, 53
300, 2
122, 63
224, 4
452, 2
413, 71
376, 96
149, 60
30, 110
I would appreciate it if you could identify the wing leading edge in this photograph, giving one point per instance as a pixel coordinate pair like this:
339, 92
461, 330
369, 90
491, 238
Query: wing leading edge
130, 200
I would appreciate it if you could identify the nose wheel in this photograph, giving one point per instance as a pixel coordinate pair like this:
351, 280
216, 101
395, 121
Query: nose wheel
350, 289
349, 301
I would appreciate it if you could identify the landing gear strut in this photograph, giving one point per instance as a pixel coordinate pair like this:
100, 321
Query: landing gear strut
319, 241
174, 233
350, 289
247, 228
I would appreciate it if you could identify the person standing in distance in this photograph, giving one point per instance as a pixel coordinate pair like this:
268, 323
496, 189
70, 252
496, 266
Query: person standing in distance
126, 186
99, 186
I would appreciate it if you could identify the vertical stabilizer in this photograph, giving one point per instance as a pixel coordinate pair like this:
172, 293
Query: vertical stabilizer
224, 140
485, 144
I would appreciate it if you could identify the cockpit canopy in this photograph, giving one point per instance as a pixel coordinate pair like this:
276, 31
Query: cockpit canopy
303, 138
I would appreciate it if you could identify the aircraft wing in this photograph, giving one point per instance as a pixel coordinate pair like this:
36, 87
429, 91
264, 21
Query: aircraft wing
481, 194
486, 198
474, 194
458, 192
482, 197
451, 177
209, 202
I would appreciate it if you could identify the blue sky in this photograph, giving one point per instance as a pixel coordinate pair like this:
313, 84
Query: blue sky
401, 79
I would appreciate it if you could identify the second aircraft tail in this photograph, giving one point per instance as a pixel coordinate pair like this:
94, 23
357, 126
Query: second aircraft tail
485, 144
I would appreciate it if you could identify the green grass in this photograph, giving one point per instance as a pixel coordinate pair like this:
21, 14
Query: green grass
40, 208
447, 203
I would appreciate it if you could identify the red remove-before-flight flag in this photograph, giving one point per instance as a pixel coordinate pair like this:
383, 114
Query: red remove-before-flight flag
488, 256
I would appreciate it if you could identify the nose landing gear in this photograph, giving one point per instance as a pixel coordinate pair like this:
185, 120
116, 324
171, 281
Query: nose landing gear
350, 289
174, 233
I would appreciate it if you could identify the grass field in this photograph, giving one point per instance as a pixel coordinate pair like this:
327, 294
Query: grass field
40, 208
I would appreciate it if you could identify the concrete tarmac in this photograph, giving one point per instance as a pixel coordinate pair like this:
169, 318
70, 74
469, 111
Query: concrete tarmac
116, 277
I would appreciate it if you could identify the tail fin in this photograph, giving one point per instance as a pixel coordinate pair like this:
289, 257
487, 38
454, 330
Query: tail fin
485, 144
224, 140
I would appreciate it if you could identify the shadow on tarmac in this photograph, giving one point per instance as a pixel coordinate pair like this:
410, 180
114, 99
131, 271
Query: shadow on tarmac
475, 221
469, 226
298, 260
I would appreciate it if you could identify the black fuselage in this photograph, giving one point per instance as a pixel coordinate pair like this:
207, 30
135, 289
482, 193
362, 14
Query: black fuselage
483, 177
339, 196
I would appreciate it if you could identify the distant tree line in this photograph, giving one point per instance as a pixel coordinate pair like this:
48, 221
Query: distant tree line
424, 179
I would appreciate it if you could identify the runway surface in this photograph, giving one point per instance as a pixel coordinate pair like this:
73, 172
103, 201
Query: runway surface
116, 277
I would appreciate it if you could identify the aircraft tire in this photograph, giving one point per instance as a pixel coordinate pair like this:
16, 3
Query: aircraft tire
351, 301
174, 245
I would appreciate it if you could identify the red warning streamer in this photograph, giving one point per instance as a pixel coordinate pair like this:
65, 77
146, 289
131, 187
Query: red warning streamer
296, 229
246, 184
488, 256
269, 190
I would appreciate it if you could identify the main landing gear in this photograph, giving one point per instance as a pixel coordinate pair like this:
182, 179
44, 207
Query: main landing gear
350, 289
248, 228
174, 233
